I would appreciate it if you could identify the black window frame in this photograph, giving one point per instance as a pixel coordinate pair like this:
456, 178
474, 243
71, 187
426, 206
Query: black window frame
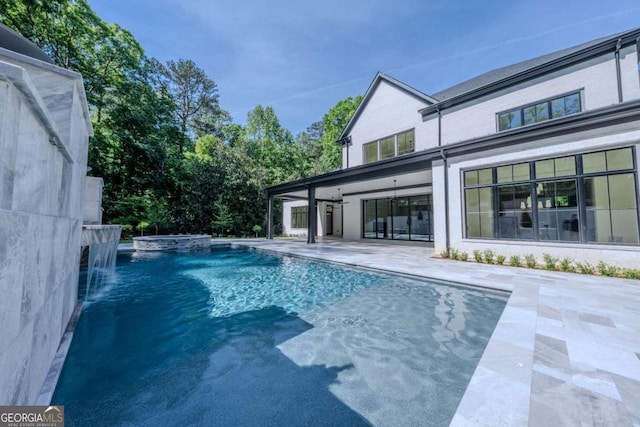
520, 111
579, 177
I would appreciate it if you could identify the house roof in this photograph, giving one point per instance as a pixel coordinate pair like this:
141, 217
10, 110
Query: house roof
511, 74
380, 77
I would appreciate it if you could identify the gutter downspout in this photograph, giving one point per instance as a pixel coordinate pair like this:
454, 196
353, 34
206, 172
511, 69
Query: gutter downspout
618, 72
446, 197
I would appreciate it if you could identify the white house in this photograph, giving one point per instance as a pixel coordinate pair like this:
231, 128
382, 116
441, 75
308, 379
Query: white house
537, 157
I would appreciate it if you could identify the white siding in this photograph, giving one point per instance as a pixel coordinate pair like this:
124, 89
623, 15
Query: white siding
390, 110
597, 80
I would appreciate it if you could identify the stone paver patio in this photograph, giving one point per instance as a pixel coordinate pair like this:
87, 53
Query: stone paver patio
565, 352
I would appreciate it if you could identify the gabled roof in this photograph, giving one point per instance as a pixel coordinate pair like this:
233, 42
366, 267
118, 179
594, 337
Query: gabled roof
380, 77
531, 68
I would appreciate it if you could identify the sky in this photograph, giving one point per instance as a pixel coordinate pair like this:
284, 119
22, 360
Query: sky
301, 57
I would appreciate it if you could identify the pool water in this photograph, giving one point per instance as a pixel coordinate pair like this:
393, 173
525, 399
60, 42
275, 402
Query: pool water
243, 338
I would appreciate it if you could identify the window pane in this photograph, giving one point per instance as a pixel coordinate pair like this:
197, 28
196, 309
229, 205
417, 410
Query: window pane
514, 221
370, 152
505, 173
387, 148
421, 224
485, 176
401, 219
566, 105
509, 120
594, 162
572, 104
383, 219
470, 178
405, 143
544, 169
521, 172
597, 204
370, 218
565, 166
619, 159
536, 113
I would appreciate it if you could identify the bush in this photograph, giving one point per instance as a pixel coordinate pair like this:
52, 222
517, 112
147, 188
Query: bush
500, 259
530, 261
464, 256
514, 261
477, 255
566, 266
585, 268
489, 256
549, 262
607, 270
631, 273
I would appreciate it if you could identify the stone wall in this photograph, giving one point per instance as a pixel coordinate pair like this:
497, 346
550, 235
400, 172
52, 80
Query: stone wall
44, 130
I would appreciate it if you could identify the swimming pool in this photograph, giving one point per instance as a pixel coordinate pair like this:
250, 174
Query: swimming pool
241, 337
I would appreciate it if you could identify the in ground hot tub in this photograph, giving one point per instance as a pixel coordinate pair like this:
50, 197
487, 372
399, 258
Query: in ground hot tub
171, 242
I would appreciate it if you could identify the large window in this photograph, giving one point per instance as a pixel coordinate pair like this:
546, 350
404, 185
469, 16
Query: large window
299, 217
400, 218
540, 111
588, 198
386, 148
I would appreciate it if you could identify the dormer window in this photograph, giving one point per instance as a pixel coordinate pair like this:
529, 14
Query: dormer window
553, 108
391, 146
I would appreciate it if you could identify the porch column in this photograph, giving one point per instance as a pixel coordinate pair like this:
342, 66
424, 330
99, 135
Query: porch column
311, 215
270, 218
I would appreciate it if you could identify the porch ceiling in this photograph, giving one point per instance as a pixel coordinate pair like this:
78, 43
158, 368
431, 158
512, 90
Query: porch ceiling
337, 191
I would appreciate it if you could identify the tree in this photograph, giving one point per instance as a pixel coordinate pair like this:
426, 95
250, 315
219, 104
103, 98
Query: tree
334, 123
195, 94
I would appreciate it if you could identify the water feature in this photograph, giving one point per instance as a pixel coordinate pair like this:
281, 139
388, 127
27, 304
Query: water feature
100, 244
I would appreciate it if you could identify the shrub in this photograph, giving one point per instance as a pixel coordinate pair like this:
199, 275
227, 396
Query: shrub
500, 259
607, 270
566, 266
514, 261
585, 268
489, 256
530, 261
445, 253
549, 262
631, 273
477, 255
464, 256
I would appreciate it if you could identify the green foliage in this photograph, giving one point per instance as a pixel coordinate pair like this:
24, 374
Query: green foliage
477, 255
585, 267
606, 269
463, 256
566, 265
514, 261
530, 261
500, 259
334, 123
631, 273
489, 256
550, 262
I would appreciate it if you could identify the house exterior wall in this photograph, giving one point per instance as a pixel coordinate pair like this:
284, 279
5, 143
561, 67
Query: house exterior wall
389, 111
41, 191
623, 256
596, 79
287, 230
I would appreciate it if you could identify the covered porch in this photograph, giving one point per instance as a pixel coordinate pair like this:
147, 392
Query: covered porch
386, 200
